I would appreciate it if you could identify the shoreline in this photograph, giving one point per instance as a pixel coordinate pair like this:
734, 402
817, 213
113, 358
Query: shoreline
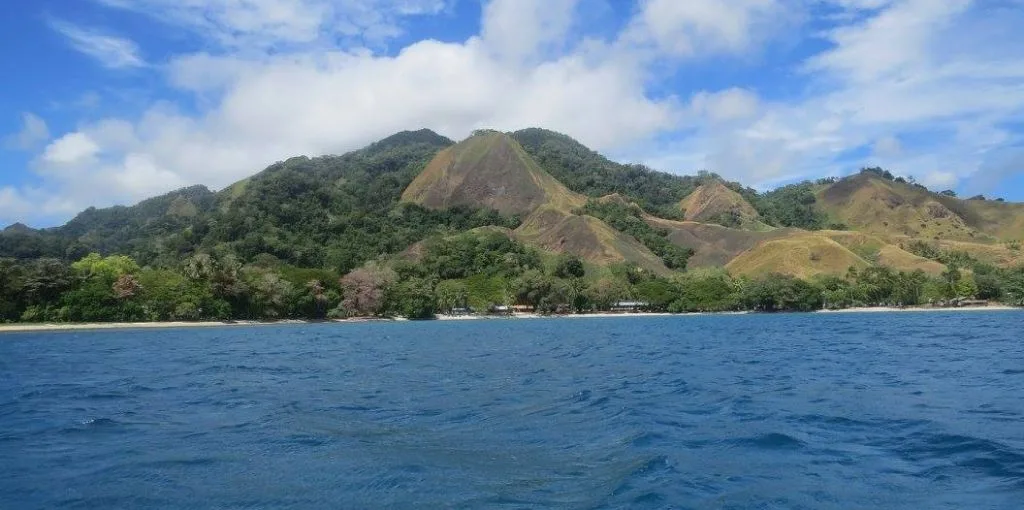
99, 326
888, 309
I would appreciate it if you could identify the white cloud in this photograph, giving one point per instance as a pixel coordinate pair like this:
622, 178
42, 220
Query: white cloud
887, 147
13, 204
261, 24
518, 29
938, 179
939, 71
727, 105
34, 131
70, 149
686, 28
109, 50
274, 82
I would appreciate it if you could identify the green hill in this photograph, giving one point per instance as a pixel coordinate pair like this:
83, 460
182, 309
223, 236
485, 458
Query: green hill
415, 224
549, 191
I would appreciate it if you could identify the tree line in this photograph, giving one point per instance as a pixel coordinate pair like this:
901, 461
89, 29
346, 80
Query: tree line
476, 270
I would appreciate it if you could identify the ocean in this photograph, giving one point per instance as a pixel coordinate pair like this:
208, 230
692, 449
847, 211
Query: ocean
878, 410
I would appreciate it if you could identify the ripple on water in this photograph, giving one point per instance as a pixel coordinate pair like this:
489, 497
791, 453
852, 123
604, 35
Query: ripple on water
771, 411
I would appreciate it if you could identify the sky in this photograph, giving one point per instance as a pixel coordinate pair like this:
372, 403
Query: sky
112, 101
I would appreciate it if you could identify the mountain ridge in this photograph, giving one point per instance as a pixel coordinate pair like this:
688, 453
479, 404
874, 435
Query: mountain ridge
414, 184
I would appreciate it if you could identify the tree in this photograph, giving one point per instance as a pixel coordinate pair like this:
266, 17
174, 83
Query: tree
110, 268
569, 266
451, 294
608, 291
126, 287
778, 293
1013, 287
577, 295
364, 290
271, 294
414, 299
12, 288
705, 291
951, 281
657, 293
317, 297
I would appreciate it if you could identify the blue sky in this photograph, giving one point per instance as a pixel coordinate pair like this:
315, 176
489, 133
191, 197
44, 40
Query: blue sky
111, 101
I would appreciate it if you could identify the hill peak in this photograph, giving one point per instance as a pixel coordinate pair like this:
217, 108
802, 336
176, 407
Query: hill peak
488, 170
420, 136
877, 203
715, 202
18, 228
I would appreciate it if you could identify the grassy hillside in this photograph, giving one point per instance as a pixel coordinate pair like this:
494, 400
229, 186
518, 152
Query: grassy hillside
488, 170
715, 203
714, 245
591, 239
802, 256
872, 203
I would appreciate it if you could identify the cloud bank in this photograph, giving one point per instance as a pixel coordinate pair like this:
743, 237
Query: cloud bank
929, 89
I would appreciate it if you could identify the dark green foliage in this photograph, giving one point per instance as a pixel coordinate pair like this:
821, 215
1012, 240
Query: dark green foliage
791, 206
472, 253
658, 294
414, 298
629, 220
779, 293
569, 266
706, 293
879, 172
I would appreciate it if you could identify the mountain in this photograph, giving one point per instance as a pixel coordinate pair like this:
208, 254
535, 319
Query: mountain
488, 170
545, 190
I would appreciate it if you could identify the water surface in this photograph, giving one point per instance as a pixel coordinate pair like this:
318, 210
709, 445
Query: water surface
786, 411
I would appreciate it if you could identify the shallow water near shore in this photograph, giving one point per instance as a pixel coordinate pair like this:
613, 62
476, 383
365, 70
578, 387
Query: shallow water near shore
753, 411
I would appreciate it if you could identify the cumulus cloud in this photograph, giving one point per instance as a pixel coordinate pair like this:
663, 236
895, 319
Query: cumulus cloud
707, 26
927, 89
939, 73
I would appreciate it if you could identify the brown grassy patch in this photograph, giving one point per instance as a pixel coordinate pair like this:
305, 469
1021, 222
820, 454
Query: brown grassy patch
714, 245
489, 171
803, 256
587, 237
876, 205
900, 260
712, 201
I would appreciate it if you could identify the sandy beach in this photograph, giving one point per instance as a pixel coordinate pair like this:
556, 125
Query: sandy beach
27, 328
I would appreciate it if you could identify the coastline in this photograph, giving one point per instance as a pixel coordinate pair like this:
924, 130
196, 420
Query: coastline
888, 309
98, 326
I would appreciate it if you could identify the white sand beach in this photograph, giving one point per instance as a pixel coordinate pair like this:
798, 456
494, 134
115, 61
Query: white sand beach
25, 328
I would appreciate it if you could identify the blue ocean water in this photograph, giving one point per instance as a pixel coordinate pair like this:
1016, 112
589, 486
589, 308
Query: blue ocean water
760, 411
